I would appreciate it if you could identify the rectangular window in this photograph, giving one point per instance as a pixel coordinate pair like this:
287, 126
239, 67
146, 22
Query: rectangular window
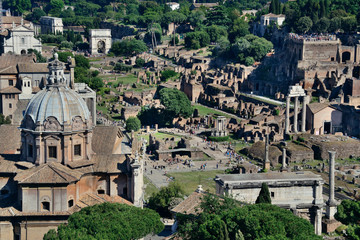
77, 150
6, 96
52, 152
272, 194
30, 150
10, 105
22, 40
11, 83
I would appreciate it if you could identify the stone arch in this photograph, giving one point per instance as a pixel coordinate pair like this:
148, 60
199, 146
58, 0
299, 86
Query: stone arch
101, 46
345, 56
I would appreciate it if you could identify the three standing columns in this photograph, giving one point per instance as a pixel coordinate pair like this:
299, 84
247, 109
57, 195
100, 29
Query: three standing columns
296, 109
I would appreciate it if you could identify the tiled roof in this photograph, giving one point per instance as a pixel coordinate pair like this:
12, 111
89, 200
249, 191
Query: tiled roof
10, 89
9, 145
317, 107
190, 205
7, 166
104, 138
110, 163
8, 62
33, 67
13, 19
49, 173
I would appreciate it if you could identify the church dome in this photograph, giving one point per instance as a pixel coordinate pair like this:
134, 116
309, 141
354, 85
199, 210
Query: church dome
60, 102
57, 105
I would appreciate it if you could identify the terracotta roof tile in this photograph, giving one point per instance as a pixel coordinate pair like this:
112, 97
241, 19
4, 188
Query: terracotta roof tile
33, 67
9, 145
11, 89
190, 205
48, 173
317, 107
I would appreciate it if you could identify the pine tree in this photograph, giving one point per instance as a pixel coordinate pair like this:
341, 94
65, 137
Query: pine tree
264, 195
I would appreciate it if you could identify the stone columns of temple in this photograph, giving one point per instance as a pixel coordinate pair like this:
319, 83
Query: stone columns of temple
303, 120
287, 115
296, 108
296, 113
283, 158
266, 160
331, 204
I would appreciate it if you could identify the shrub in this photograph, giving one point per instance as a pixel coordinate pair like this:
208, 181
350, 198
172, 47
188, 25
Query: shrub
218, 139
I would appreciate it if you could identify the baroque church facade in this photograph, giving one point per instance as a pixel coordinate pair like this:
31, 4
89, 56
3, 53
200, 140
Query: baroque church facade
66, 163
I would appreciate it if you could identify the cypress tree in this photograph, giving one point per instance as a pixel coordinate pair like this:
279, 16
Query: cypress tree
272, 7
264, 195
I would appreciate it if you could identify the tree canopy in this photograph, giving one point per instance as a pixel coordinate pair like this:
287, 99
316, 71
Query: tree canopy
108, 221
176, 102
128, 47
133, 124
348, 212
161, 201
259, 221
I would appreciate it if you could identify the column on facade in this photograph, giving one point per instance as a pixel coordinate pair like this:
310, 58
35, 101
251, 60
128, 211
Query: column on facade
296, 106
287, 115
303, 120
284, 158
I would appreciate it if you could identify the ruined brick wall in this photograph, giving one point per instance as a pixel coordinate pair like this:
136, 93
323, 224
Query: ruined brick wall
321, 50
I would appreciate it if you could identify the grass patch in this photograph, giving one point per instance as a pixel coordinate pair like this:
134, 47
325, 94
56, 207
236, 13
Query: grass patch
190, 180
150, 188
203, 111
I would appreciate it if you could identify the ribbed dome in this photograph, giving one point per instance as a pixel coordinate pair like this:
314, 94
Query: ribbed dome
57, 101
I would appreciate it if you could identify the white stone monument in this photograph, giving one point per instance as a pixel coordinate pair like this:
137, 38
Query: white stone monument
100, 41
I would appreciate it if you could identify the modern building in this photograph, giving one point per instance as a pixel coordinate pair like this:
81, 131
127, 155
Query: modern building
65, 163
301, 192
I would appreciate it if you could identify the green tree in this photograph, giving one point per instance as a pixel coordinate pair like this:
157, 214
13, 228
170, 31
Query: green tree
82, 61
176, 103
249, 61
196, 18
63, 56
4, 120
264, 195
18, 6
128, 47
240, 28
109, 221
160, 201
304, 24
216, 32
39, 58
140, 62
55, 6
322, 25
196, 40
35, 15
133, 123
167, 74
348, 212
